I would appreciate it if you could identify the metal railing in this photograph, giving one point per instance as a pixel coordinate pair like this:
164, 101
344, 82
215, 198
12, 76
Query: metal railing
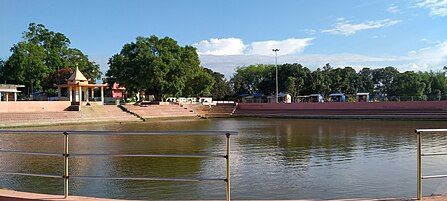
420, 177
66, 155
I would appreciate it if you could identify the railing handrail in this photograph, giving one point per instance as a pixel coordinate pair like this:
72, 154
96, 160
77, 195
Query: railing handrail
81, 132
420, 176
430, 130
66, 155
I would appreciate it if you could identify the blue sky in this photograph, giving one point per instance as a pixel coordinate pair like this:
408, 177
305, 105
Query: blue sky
410, 35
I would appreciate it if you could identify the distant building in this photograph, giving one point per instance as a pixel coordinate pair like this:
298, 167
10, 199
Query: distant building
282, 98
117, 91
189, 100
255, 98
318, 98
301, 99
337, 97
206, 100
362, 97
181, 100
171, 99
9, 91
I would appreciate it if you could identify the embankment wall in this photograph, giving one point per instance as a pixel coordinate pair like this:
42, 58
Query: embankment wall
33, 106
408, 105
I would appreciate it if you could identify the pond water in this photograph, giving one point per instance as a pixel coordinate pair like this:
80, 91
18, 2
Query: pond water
271, 159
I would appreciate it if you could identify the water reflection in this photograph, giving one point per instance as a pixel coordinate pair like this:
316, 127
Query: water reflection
271, 159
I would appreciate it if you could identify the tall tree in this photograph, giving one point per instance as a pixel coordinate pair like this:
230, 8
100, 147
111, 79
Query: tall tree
26, 65
366, 82
2, 65
320, 82
250, 79
160, 67
384, 80
408, 84
292, 78
201, 84
221, 89
41, 53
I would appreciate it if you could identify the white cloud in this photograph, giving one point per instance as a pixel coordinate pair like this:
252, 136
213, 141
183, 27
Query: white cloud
437, 7
378, 36
347, 28
227, 64
310, 31
220, 46
430, 58
393, 9
289, 46
433, 57
235, 46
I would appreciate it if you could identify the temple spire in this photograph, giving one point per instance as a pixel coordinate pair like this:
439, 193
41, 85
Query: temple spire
77, 75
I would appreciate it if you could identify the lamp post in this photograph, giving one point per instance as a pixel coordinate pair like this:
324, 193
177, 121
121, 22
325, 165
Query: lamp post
276, 62
32, 90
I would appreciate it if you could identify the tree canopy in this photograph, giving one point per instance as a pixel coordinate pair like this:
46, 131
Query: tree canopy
221, 89
41, 53
297, 80
161, 67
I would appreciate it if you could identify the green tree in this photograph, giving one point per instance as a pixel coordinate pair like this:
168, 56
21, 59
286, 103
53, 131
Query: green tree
201, 84
436, 84
291, 86
292, 78
26, 65
366, 82
253, 78
221, 89
296, 79
408, 84
384, 78
160, 67
2, 65
320, 82
41, 53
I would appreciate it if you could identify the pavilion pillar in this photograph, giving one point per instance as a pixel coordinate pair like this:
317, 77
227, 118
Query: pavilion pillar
76, 94
15, 96
86, 95
80, 95
93, 93
102, 95
0, 96
6, 94
70, 94
59, 93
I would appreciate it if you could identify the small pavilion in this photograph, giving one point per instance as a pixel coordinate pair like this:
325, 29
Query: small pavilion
8, 89
77, 85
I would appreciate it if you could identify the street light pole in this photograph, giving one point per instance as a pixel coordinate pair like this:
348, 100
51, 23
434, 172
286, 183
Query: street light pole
276, 62
32, 90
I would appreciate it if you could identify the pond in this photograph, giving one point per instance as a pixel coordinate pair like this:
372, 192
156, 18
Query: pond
271, 159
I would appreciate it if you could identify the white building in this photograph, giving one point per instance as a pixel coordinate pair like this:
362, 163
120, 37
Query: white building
7, 90
282, 98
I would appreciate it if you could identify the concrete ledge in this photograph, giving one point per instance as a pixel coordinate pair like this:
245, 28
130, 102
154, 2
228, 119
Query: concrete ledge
10, 195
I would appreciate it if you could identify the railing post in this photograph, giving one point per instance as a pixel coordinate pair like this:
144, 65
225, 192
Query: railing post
228, 179
65, 164
419, 166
